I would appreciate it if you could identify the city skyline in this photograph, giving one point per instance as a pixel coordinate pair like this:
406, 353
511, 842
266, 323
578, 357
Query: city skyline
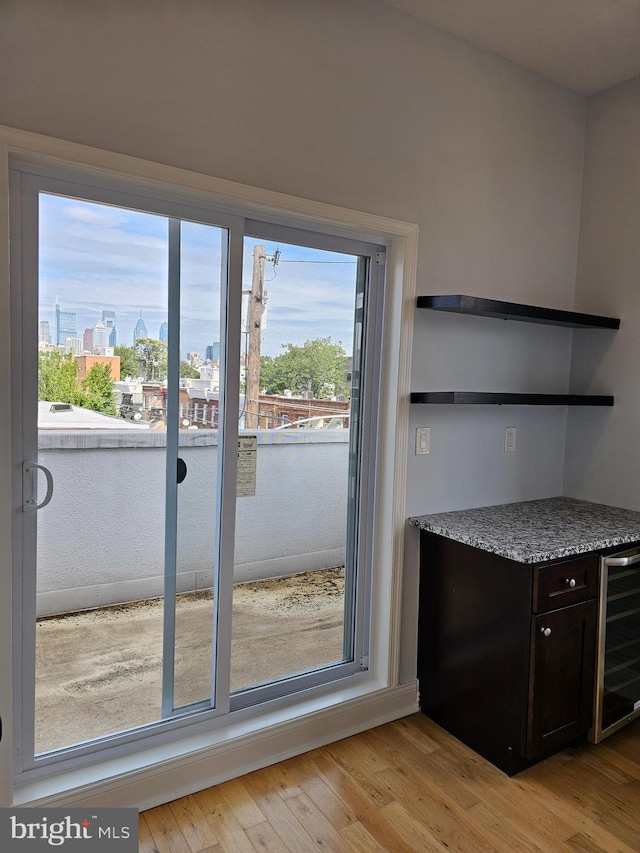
100, 259
211, 351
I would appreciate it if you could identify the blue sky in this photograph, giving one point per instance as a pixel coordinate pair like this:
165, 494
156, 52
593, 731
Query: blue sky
96, 257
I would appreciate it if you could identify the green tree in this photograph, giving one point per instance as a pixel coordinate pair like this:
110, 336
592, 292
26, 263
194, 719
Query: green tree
99, 390
148, 358
58, 379
58, 382
318, 366
152, 356
129, 361
188, 371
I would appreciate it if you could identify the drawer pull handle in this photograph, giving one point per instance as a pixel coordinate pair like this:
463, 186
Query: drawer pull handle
571, 582
546, 632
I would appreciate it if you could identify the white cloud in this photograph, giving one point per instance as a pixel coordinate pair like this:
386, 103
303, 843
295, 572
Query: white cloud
94, 214
96, 257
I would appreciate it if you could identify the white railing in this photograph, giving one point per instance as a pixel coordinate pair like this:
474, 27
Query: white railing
101, 539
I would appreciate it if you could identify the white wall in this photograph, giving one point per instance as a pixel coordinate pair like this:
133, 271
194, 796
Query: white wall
603, 452
101, 540
353, 103
467, 465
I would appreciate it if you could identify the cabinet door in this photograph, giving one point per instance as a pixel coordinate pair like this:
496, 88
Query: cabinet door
561, 680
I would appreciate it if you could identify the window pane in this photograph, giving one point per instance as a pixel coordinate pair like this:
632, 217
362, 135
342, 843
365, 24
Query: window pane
293, 513
104, 328
100, 551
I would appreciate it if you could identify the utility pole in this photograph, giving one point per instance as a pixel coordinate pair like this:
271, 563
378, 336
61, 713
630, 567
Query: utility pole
254, 332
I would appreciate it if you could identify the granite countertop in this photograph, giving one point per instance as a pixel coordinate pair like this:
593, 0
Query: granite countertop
537, 531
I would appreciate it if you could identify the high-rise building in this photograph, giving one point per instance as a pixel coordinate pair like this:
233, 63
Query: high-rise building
73, 345
140, 330
212, 352
45, 332
109, 319
163, 334
65, 324
87, 340
100, 335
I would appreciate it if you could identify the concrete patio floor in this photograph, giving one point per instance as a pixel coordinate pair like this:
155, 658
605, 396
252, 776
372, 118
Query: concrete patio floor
100, 671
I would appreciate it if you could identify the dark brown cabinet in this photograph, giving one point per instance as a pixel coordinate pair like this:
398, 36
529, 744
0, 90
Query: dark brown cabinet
563, 646
506, 650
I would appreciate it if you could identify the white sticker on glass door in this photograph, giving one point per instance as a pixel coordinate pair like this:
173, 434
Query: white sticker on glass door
247, 465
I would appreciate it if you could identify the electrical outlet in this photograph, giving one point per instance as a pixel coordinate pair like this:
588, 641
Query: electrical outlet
423, 441
510, 440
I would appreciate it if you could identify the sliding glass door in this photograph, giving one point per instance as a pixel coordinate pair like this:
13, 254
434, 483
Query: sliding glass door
101, 537
195, 436
295, 557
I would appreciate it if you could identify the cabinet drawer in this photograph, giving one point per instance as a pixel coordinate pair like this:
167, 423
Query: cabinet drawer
568, 582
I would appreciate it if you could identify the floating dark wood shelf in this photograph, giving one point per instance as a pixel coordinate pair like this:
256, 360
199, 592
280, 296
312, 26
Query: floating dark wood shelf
465, 398
459, 304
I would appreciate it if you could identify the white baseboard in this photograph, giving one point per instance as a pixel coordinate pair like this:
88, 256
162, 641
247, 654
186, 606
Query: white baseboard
156, 776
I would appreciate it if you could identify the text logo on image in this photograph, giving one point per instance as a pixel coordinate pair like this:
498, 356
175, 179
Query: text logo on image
33, 830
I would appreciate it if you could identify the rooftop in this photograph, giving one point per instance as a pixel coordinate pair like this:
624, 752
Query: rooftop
53, 415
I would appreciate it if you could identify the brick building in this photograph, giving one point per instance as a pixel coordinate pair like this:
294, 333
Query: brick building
273, 411
86, 362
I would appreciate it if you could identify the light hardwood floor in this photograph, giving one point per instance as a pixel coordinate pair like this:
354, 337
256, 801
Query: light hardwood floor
409, 786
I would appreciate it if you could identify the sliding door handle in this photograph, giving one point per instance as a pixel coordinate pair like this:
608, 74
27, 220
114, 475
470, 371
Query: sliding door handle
31, 504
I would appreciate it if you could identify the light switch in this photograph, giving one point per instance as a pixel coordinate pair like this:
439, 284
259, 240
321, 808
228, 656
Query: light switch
510, 439
423, 441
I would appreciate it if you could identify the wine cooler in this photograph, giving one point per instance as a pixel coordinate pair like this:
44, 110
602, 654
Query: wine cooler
617, 694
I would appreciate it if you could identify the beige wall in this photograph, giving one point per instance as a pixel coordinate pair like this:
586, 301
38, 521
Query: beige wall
348, 102
603, 452
356, 104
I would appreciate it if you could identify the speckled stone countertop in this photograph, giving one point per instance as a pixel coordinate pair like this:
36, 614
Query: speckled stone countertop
536, 531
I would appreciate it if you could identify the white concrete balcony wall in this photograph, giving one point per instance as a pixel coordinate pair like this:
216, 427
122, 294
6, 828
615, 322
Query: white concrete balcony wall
101, 539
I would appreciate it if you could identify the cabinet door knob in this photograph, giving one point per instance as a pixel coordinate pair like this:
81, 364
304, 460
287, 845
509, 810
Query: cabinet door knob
571, 582
546, 632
